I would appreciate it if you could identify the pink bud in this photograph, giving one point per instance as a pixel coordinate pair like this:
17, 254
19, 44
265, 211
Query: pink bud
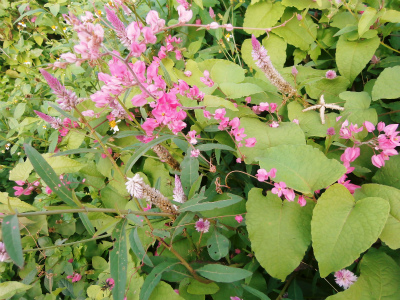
302, 201
377, 161
369, 126
294, 71
255, 43
229, 27
214, 25
381, 126
212, 14
299, 17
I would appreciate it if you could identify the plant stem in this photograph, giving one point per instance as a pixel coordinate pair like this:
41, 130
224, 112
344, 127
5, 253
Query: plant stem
88, 210
387, 46
68, 244
285, 287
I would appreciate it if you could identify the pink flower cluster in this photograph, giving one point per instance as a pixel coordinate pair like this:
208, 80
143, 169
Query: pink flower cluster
171, 46
264, 106
75, 277
20, 190
386, 142
280, 189
349, 155
206, 79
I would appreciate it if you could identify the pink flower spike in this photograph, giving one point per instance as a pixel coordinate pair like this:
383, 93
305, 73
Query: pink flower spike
202, 225
302, 201
345, 278
239, 218
330, 74
369, 126
294, 71
255, 43
212, 14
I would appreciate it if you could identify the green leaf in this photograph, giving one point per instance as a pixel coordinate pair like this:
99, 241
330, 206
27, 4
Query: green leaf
211, 146
286, 133
12, 239
255, 292
154, 278
280, 232
119, 260
48, 175
262, 15
357, 109
77, 151
391, 231
198, 288
199, 3
190, 172
380, 277
330, 88
180, 223
389, 174
143, 149
137, 247
54, 9
15, 204
220, 273
302, 4
21, 171
387, 86
342, 229
368, 18
214, 101
310, 121
226, 71
19, 110
217, 245
390, 15
10, 288
239, 90
352, 57
302, 167
298, 33
194, 206
73, 140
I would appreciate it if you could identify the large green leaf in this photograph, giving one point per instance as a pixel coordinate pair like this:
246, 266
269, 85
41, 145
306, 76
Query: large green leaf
12, 239
391, 232
387, 86
330, 88
119, 260
302, 167
10, 288
239, 90
367, 19
357, 109
352, 57
262, 15
299, 34
302, 4
163, 291
214, 101
227, 71
342, 229
217, 245
280, 232
380, 277
286, 133
389, 174
220, 273
21, 171
310, 121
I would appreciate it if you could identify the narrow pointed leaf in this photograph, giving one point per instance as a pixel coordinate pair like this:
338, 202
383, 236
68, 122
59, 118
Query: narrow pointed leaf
220, 273
137, 247
119, 260
12, 239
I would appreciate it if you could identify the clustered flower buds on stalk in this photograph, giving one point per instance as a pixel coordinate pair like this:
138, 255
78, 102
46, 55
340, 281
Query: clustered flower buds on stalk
263, 61
166, 157
138, 189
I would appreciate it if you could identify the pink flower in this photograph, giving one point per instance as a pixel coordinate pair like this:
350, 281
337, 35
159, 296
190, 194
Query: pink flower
184, 3
377, 161
279, 189
331, 131
237, 251
184, 15
154, 21
69, 57
236, 298
229, 27
235, 123
274, 124
71, 260
248, 99
302, 201
330, 74
369, 126
251, 142
262, 175
48, 190
349, 155
294, 71
207, 114
345, 278
206, 79
88, 113
187, 73
238, 134
192, 135
381, 126
3, 253
239, 218
202, 226
289, 194
219, 113
75, 277
238, 160
211, 12
214, 25
195, 153
111, 283
176, 291
296, 121
273, 107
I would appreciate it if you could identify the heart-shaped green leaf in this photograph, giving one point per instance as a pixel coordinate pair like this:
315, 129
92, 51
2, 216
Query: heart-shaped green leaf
303, 168
342, 229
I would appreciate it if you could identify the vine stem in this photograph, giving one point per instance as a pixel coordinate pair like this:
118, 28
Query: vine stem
88, 210
387, 46
68, 244
285, 287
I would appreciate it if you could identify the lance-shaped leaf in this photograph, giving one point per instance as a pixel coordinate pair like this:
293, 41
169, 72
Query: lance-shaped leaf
280, 232
12, 239
220, 273
137, 248
342, 229
194, 206
119, 260
303, 168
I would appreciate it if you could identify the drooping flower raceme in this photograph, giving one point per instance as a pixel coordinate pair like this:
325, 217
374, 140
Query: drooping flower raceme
263, 61
345, 278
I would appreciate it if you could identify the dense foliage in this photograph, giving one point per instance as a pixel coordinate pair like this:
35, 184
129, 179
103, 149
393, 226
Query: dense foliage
200, 150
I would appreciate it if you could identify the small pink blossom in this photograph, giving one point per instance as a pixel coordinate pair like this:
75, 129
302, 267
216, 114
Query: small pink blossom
273, 107
378, 161
207, 114
192, 135
187, 73
331, 131
296, 121
211, 12
71, 260
250, 142
345, 278
289, 195
195, 153
381, 126
202, 225
237, 251
302, 201
294, 71
330, 74
239, 218
238, 160
248, 100
184, 15
229, 27
236, 298
279, 189
111, 283
75, 277
3, 253
214, 25
48, 190
88, 113
274, 124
